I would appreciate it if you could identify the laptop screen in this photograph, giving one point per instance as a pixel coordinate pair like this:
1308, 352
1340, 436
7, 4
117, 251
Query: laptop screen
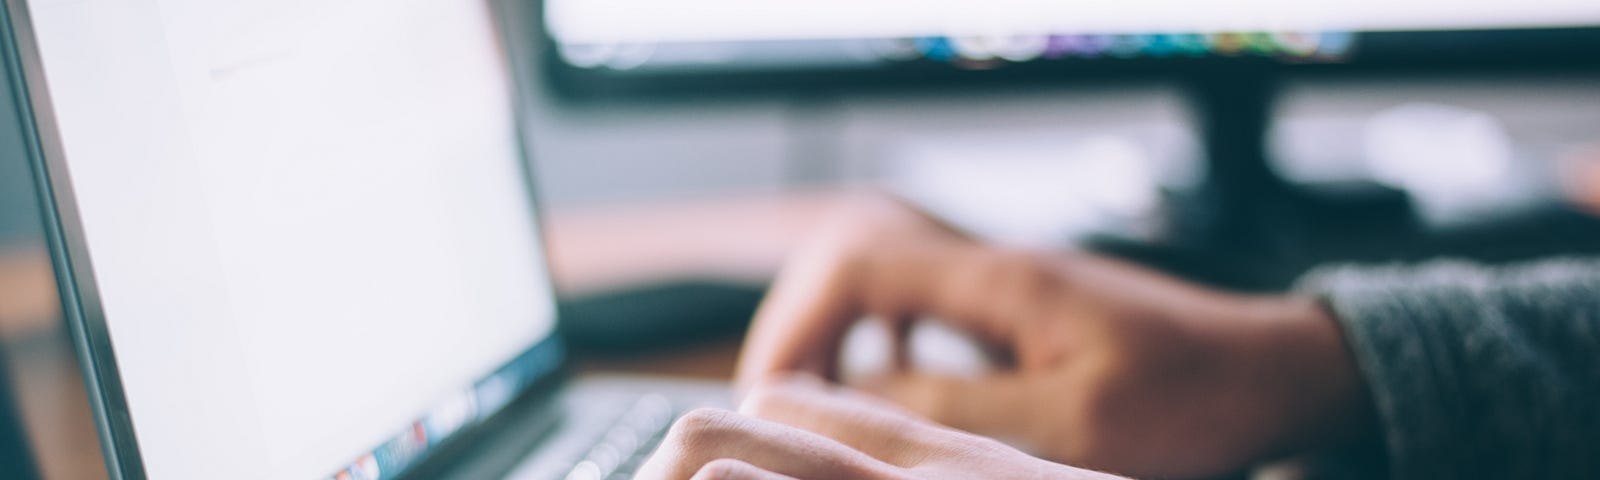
309, 230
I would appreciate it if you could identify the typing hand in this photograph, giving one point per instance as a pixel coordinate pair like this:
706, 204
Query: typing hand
801, 428
1108, 365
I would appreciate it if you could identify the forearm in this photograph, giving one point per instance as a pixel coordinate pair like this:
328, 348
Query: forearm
1474, 371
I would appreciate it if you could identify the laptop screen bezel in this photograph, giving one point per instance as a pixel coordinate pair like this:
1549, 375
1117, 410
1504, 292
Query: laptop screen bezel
80, 300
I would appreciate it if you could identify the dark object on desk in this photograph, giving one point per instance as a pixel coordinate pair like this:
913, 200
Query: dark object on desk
658, 315
16, 461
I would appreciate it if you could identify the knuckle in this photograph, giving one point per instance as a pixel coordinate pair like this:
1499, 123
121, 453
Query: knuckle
865, 223
702, 425
1024, 272
831, 257
844, 251
1022, 279
852, 230
701, 419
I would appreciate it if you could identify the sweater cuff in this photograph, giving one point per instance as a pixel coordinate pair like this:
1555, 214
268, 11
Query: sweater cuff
1397, 324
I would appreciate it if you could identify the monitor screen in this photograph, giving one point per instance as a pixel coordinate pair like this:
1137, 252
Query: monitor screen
307, 222
619, 38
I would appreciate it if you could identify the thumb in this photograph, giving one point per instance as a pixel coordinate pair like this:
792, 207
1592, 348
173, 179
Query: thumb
1002, 405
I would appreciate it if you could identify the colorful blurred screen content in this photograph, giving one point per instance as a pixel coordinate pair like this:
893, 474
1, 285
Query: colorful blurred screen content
645, 35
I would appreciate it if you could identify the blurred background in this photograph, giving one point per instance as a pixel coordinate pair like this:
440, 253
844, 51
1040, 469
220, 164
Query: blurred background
682, 148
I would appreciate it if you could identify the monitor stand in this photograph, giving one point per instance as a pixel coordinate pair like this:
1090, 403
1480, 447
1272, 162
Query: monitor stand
1245, 226
1232, 110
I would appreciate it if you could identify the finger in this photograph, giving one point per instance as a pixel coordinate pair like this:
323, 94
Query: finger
802, 321
979, 290
1004, 405
730, 469
859, 421
818, 295
706, 435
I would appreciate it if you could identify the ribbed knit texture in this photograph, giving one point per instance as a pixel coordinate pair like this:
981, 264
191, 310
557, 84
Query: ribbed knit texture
1477, 372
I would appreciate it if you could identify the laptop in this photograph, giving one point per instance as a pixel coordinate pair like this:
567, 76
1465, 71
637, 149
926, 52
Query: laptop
296, 239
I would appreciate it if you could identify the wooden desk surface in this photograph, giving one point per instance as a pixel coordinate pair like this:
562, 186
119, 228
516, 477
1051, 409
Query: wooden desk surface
711, 360
591, 250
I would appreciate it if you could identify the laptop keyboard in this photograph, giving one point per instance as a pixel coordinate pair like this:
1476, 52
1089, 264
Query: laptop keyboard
628, 442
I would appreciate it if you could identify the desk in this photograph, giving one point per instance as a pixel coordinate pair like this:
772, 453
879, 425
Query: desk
710, 360
592, 250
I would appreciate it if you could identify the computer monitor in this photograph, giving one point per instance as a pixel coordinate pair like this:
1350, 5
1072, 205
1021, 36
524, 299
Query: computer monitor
296, 239
600, 46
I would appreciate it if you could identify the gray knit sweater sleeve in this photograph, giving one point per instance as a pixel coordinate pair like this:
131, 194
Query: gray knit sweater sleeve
1477, 372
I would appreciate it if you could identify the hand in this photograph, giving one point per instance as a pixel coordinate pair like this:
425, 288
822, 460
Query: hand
1109, 365
800, 428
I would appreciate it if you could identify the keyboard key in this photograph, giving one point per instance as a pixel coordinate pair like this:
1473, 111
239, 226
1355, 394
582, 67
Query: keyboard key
623, 448
586, 470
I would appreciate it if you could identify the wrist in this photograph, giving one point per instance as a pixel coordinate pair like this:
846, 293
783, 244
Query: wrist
1310, 377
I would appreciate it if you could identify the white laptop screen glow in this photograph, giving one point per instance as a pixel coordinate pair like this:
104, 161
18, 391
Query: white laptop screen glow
306, 218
